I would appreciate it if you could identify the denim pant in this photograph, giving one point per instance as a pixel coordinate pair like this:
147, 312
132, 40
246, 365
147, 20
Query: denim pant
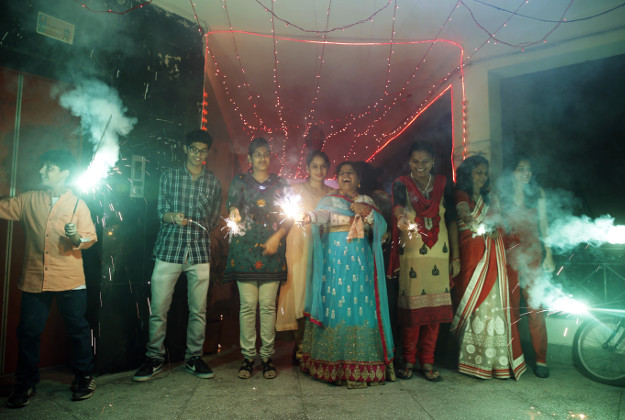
164, 278
34, 311
251, 294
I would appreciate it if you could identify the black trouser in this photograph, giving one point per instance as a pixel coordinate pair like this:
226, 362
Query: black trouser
35, 308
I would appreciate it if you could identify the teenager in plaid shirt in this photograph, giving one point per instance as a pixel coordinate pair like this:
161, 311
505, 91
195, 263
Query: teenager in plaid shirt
189, 206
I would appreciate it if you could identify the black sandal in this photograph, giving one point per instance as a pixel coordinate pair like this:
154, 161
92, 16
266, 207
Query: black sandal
269, 370
245, 371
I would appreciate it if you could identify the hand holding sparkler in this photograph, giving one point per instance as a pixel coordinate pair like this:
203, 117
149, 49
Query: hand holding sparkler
178, 219
234, 215
482, 229
302, 218
71, 232
232, 222
403, 224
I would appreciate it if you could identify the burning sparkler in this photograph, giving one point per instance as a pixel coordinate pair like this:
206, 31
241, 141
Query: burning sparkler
234, 229
102, 115
98, 167
291, 206
189, 220
413, 229
568, 304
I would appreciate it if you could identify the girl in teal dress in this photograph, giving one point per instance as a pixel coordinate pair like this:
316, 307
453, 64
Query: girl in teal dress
256, 259
347, 336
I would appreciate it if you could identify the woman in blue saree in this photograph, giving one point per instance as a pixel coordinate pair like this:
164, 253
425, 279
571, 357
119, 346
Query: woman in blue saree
347, 338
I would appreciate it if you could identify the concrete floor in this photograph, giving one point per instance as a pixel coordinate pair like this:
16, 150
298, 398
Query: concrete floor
175, 394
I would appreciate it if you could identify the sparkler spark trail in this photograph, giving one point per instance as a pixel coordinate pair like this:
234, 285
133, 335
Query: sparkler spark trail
291, 206
569, 305
481, 230
102, 116
196, 223
234, 229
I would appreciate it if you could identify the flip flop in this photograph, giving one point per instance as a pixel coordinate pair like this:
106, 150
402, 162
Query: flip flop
430, 374
405, 372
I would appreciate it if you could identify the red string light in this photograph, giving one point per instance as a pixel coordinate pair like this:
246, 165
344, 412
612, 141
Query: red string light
432, 96
413, 119
197, 19
380, 107
278, 105
310, 118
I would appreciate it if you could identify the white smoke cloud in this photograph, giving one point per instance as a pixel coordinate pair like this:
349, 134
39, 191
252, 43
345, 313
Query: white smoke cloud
102, 116
544, 292
567, 232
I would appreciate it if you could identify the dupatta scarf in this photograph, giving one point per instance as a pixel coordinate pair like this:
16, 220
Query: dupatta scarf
490, 268
427, 216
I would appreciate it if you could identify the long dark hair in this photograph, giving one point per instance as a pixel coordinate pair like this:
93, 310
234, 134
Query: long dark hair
464, 180
531, 191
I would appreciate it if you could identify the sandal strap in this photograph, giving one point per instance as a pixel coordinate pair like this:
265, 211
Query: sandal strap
247, 365
268, 365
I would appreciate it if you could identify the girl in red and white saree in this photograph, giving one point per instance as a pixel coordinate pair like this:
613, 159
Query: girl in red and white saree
483, 323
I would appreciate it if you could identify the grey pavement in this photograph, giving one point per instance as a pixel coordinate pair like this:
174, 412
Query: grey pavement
176, 394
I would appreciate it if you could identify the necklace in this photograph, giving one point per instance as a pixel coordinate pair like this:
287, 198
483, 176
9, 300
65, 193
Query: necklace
318, 194
424, 191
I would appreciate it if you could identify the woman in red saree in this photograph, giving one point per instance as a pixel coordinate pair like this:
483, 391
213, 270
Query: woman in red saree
483, 323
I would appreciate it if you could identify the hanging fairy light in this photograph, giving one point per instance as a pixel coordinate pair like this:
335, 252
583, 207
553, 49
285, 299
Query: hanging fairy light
253, 123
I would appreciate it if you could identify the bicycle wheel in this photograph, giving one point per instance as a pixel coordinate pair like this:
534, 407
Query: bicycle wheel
599, 349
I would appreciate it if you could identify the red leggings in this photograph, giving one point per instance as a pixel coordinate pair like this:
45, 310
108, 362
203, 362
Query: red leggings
419, 341
536, 322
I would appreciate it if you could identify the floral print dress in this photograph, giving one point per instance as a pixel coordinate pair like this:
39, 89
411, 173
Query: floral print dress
260, 218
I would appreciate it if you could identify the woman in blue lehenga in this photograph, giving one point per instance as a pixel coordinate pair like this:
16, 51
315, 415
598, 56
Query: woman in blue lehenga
348, 335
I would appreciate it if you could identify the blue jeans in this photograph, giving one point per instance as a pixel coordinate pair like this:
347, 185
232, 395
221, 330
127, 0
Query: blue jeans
34, 311
164, 278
